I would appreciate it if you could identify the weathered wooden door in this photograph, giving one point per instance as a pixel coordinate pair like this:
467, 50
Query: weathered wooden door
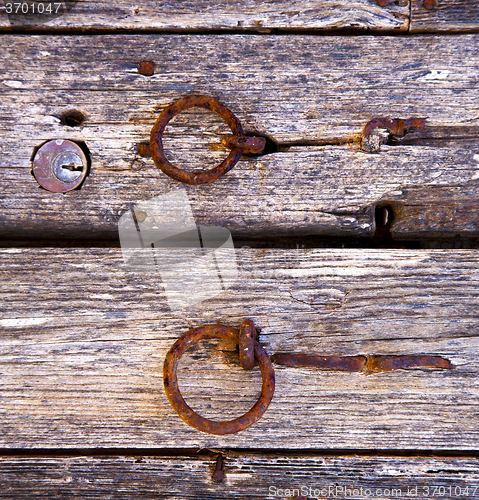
339, 251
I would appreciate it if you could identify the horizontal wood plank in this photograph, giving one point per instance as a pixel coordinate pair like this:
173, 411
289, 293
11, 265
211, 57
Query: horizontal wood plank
292, 88
444, 15
247, 476
436, 212
313, 185
328, 191
253, 15
83, 343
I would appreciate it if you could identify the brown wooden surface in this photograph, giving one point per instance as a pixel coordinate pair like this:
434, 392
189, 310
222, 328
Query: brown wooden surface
247, 475
446, 16
83, 344
253, 15
303, 189
83, 340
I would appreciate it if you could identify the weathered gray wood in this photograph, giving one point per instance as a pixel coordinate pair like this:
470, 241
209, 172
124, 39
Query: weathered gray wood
254, 15
294, 88
330, 190
247, 476
83, 343
447, 15
311, 92
436, 212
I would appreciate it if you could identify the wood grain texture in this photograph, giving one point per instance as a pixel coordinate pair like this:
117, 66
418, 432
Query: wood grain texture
308, 94
83, 343
329, 191
253, 15
247, 476
447, 16
436, 212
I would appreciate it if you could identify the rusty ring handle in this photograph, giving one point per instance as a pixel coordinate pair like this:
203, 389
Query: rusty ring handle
190, 416
156, 144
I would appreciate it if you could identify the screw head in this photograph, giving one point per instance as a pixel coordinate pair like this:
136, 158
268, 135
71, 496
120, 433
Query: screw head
60, 166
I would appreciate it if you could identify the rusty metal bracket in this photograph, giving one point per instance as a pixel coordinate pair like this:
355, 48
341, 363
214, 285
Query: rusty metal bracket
218, 332
238, 142
397, 127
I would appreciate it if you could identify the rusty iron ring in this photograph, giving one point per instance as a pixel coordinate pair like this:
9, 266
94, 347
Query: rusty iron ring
156, 144
190, 416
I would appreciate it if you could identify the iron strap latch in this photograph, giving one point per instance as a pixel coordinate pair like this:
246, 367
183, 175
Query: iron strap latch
250, 351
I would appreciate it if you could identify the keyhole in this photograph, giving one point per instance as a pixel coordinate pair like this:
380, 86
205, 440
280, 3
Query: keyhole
72, 166
384, 216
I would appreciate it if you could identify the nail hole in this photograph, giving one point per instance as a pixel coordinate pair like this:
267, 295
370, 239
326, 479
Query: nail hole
72, 118
271, 144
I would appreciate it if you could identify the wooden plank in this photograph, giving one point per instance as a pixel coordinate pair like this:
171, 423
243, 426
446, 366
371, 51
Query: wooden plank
253, 16
313, 185
251, 475
329, 191
446, 15
289, 87
436, 212
83, 343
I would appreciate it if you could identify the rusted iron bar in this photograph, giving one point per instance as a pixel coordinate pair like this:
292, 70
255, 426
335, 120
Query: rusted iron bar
247, 337
387, 363
371, 363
